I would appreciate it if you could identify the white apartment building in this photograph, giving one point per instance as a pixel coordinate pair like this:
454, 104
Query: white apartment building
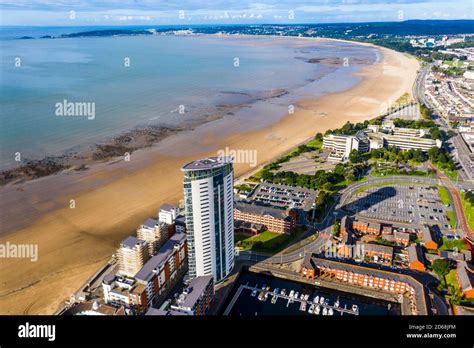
209, 204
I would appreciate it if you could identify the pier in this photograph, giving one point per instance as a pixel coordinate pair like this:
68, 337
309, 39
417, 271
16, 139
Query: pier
304, 304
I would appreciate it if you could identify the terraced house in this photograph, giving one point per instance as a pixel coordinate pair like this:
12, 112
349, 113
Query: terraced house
367, 277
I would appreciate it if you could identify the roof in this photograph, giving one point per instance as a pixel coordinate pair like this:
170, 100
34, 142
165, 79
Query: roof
109, 278
151, 223
167, 207
401, 235
415, 254
93, 308
131, 242
260, 209
311, 262
207, 163
454, 255
146, 272
426, 234
238, 224
194, 290
377, 248
465, 276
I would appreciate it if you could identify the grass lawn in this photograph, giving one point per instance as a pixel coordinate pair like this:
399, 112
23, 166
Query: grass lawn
444, 195
452, 220
450, 244
452, 174
468, 211
267, 242
451, 280
452, 63
315, 144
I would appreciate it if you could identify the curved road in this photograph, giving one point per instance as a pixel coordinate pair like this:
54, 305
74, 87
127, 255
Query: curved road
325, 226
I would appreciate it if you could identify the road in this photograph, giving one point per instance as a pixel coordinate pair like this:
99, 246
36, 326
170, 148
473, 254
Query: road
457, 204
455, 145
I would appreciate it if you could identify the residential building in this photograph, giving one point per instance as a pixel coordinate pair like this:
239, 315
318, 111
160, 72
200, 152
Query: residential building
367, 277
132, 255
464, 255
93, 308
465, 278
366, 227
376, 252
168, 214
209, 205
155, 233
196, 299
155, 277
277, 220
427, 237
248, 227
416, 259
402, 238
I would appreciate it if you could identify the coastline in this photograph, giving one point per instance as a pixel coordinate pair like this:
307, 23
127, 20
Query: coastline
111, 204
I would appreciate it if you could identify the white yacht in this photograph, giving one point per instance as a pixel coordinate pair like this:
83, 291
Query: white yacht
317, 310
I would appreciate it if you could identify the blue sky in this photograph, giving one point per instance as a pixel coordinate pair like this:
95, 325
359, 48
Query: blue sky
143, 12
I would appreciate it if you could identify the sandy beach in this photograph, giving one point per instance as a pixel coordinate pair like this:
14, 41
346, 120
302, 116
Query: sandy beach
112, 200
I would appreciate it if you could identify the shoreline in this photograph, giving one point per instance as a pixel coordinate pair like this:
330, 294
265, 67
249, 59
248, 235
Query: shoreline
78, 239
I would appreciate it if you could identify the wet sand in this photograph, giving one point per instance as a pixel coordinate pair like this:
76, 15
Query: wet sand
111, 200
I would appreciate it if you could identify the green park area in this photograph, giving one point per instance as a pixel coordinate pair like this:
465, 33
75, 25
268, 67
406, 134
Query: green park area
444, 195
266, 242
453, 244
467, 200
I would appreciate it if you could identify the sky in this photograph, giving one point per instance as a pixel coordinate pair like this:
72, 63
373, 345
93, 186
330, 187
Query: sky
182, 12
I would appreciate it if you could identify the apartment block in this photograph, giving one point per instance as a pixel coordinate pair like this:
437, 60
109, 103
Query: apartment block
132, 255
155, 233
274, 219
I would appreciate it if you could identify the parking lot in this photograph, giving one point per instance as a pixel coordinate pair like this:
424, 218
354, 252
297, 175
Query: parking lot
284, 196
410, 203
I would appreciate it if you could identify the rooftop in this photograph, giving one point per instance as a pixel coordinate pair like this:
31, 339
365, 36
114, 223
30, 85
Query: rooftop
415, 253
311, 262
207, 163
260, 209
194, 290
160, 258
131, 241
465, 276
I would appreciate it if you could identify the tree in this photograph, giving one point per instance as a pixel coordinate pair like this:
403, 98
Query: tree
355, 156
441, 267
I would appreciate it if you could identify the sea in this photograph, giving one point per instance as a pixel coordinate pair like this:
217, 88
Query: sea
162, 80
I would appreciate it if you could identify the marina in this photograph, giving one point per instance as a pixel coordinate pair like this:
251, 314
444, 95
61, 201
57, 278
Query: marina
259, 294
316, 305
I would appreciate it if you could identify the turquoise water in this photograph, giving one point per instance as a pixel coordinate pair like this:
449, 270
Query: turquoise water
164, 73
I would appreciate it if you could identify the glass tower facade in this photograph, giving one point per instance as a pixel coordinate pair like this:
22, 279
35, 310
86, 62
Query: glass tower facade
208, 200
